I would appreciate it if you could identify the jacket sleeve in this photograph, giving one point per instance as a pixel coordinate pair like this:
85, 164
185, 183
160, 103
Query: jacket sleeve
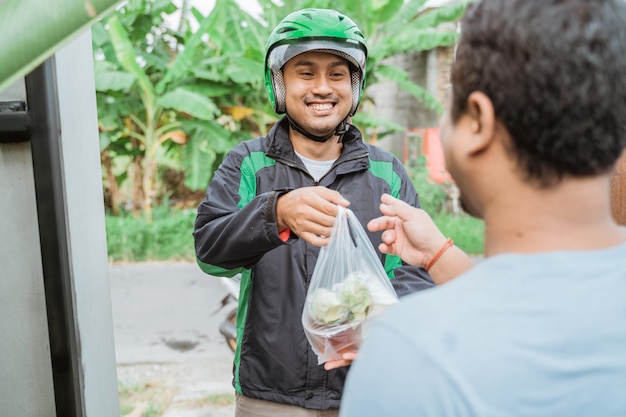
407, 279
235, 227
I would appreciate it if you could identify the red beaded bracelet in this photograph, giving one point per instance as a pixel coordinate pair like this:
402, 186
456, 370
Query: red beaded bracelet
449, 243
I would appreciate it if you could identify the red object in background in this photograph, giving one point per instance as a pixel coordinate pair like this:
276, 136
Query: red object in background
429, 145
433, 151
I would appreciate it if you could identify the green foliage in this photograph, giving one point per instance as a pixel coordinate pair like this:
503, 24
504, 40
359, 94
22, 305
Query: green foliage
181, 98
396, 27
398, 75
155, 84
432, 196
167, 237
391, 27
373, 122
466, 231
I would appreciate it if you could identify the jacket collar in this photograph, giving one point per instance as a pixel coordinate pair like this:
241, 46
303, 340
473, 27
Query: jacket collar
278, 145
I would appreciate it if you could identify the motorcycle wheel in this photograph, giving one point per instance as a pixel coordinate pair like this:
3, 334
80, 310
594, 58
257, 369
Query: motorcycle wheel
228, 329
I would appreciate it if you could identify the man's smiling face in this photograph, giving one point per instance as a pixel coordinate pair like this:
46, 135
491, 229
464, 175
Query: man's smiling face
318, 91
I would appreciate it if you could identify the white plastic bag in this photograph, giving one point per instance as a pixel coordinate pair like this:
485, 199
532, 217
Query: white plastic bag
349, 287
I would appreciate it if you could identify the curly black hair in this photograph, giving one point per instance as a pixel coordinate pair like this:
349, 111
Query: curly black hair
555, 71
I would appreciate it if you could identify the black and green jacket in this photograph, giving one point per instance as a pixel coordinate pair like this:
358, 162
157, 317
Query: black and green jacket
236, 232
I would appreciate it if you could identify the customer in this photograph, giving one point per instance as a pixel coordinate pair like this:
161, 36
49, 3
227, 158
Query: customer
536, 121
272, 204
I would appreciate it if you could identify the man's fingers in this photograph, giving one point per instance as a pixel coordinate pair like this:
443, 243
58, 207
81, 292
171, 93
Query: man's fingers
336, 364
384, 248
393, 207
388, 236
381, 223
315, 240
333, 197
348, 357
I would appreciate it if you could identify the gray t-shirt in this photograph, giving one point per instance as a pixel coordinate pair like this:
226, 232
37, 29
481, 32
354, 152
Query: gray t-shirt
317, 169
517, 335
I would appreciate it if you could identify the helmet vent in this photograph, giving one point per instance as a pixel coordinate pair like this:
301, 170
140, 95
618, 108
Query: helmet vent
286, 30
307, 15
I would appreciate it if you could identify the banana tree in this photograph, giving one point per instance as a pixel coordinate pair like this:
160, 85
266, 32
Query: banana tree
152, 128
397, 27
201, 88
145, 100
156, 85
228, 70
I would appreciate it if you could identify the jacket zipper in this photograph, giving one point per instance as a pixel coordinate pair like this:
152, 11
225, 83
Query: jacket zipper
337, 163
316, 183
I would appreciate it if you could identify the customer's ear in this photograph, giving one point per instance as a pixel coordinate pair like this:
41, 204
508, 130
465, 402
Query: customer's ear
482, 122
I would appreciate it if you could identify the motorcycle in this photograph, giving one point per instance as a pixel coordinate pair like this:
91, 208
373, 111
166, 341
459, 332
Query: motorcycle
228, 327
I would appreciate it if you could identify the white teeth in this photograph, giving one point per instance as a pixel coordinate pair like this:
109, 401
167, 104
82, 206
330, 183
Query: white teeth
326, 106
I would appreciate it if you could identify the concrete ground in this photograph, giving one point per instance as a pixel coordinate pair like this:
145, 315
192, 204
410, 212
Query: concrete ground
167, 340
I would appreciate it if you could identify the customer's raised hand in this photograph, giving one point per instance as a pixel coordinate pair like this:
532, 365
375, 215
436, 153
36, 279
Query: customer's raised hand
411, 234
408, 232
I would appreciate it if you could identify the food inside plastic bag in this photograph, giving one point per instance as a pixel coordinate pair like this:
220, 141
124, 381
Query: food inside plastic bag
349, 301
348, 288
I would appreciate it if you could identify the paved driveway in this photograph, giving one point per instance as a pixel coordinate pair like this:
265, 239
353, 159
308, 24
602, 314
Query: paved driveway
164, 327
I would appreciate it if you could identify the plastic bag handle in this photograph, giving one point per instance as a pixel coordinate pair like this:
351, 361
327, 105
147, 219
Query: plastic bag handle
343, 211
351, 232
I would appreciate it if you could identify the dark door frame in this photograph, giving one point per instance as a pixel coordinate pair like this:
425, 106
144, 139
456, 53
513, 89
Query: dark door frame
43, 111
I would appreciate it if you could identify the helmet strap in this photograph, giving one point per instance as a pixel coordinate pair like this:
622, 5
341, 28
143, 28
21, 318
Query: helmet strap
339, 130
342, 128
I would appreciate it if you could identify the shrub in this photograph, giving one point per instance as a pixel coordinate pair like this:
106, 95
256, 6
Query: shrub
432, 196
466, 231
167, 237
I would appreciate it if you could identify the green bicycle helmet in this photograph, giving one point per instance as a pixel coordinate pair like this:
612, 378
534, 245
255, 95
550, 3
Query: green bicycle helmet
321, 30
